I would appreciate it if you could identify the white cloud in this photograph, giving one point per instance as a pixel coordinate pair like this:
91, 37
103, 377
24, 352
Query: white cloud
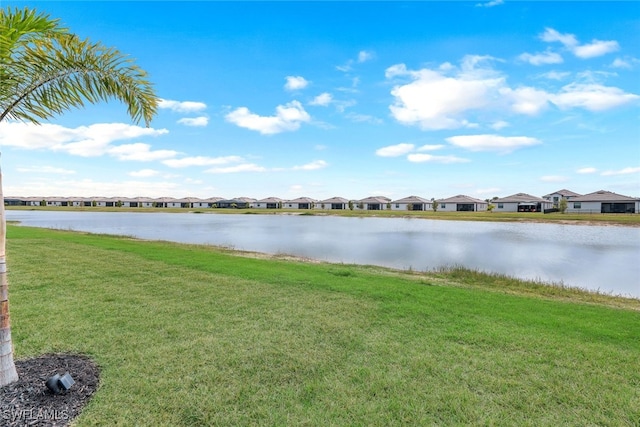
435, 101
491, 3
364, 56
86, 141
625, 171
194, 121
592, 97
315, 165
503, 144
89, 187
202, 161
587, 170
500, 124
46, 170
364, 118
491, 190
139, 152
288, 118
553, 178
526, 100
451, 97
596, 48
585, 51
245, 167
322, 100
628, 62
556, 75
182, 106
429, 147
551, 35
395, 150
295, 83
547, 57
144, 173
422, 158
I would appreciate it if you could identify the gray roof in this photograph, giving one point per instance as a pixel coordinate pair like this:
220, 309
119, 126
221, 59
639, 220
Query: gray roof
412, 199
519, 198
302, 200
604, 196
375, 199
270, 200
461, 198
335, 200
563, 193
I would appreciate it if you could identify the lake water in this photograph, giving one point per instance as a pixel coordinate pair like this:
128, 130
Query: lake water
604, 258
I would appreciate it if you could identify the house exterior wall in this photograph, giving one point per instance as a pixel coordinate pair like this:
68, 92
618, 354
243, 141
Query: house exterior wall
506, 207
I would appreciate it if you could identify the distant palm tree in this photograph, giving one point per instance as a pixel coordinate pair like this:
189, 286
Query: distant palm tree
45, 71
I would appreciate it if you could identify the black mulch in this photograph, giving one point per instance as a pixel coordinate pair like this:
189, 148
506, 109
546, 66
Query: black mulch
28, 402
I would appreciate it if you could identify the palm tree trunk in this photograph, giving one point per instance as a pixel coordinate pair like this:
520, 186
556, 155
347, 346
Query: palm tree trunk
8, 373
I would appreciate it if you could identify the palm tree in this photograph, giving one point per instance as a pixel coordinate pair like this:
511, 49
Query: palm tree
44, 71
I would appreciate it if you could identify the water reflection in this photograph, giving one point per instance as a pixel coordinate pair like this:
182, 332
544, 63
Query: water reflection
594, 257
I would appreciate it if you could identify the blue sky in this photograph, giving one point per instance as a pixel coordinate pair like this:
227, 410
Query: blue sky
349, 99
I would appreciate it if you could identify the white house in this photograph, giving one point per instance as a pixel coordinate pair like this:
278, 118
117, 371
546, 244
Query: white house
411, 203
604, 202
300, 203
374, 203
521, 202
334, 203
461, 203
268, 203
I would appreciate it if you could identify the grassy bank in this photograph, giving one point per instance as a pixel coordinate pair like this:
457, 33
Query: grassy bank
190, 335
585, 218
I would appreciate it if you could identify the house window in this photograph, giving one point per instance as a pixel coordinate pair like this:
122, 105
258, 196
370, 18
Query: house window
397, 205
577, 205
500, 206
443, 205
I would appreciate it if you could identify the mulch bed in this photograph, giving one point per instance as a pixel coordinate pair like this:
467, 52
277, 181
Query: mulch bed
28, 402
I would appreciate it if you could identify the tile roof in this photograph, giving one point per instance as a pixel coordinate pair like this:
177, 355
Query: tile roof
604, 196
461, 198
520, 198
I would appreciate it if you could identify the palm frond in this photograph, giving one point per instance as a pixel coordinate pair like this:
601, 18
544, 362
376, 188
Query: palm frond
46, 76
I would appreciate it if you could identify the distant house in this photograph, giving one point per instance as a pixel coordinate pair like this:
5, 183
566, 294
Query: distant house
334, 203
300, 203
559, 195
461, 203
238, 203
374, 203
521, 202
411, 203
206, 203
268, 203
604, 202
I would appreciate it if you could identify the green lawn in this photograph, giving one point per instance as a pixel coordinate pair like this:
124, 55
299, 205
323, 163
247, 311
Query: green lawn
191, 335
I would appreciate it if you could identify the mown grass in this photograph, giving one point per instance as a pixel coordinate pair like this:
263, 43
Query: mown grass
191, 335
583, 218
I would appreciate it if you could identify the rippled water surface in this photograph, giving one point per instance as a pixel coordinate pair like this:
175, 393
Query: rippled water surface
605, 258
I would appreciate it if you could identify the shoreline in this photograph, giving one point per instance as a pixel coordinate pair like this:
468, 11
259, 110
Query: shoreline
589, 219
